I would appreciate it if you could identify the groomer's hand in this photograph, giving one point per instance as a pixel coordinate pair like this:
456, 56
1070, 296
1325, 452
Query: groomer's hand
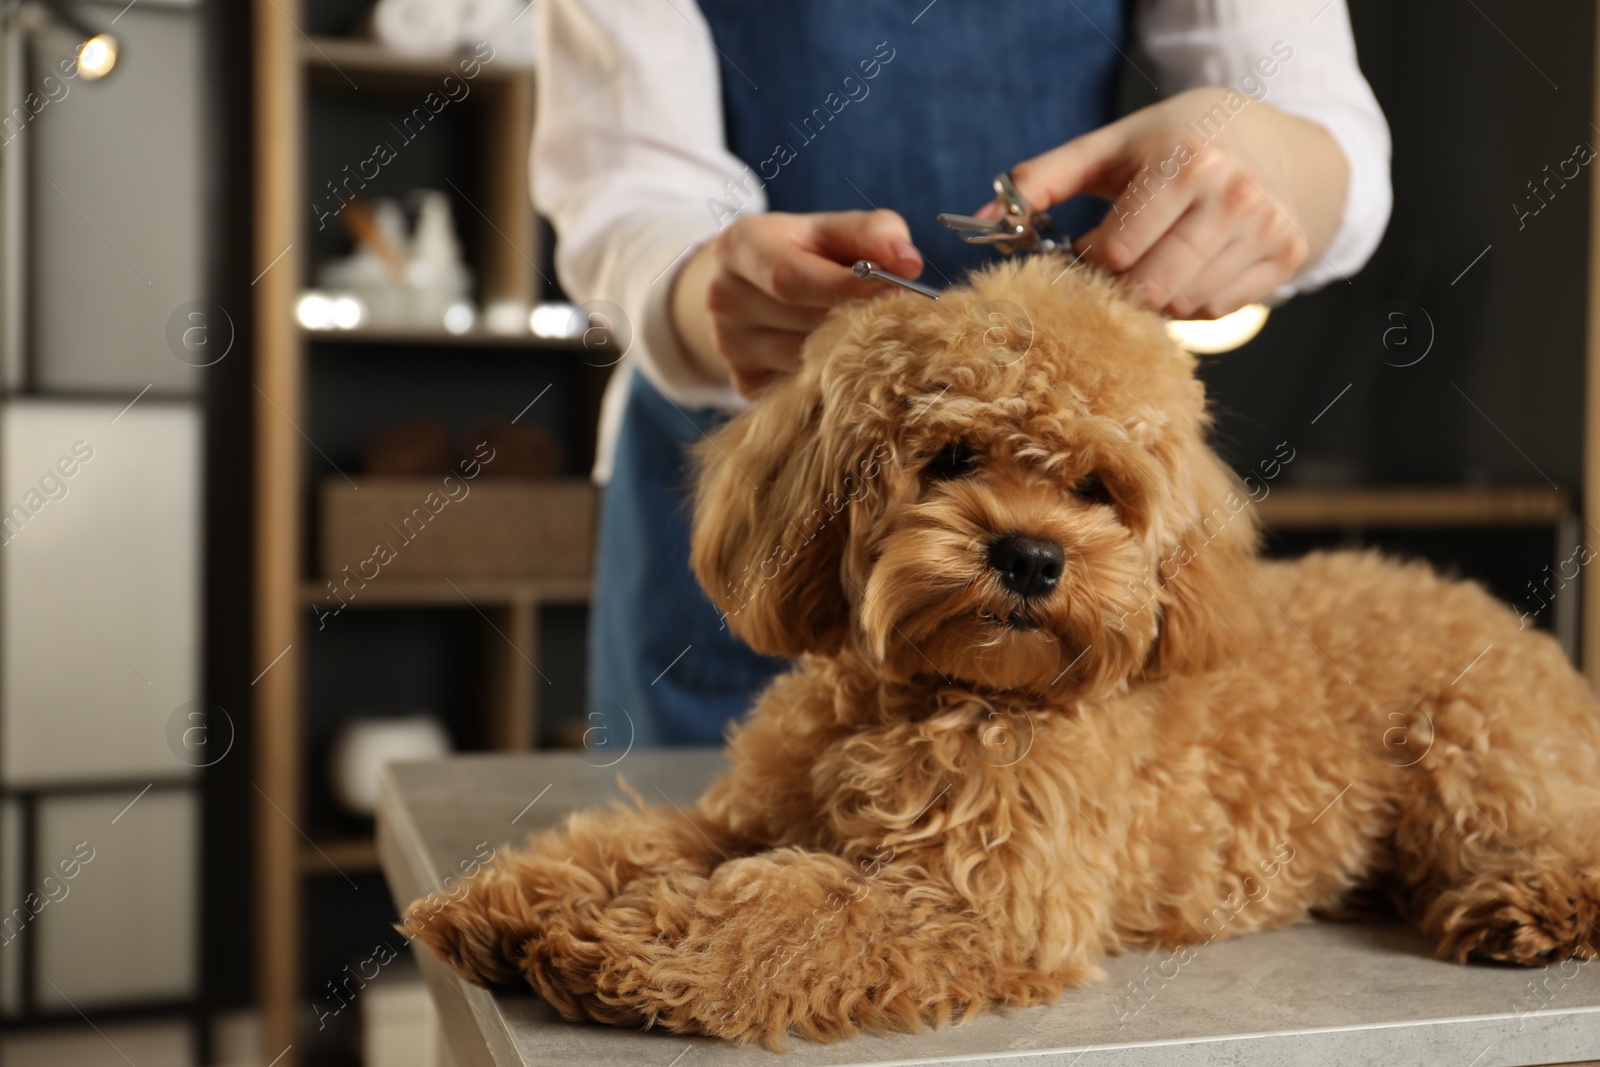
745, 301
1212, 208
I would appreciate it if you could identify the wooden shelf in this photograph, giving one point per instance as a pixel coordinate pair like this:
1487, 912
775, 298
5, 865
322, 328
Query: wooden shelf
443, 339
1303, 509
348, 856
352, 57
438, 592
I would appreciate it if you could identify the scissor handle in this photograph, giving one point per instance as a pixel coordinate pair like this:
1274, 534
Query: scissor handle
1017, 204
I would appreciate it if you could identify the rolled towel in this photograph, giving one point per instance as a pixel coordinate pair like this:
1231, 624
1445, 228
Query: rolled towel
418, 27
364, 745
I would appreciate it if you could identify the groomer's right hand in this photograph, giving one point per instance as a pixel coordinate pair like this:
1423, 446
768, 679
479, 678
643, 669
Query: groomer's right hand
745, 301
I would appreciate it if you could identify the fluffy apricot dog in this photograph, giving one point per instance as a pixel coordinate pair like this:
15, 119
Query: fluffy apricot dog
1048, 704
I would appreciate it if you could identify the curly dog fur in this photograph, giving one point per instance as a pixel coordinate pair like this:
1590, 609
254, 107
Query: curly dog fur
963, 796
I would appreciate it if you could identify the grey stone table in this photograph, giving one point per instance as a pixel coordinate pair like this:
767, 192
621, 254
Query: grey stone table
1318, 995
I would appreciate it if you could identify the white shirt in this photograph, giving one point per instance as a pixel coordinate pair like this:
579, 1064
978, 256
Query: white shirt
630, 162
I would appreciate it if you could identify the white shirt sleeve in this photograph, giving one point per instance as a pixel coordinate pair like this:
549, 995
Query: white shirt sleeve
630, 165
1235, 43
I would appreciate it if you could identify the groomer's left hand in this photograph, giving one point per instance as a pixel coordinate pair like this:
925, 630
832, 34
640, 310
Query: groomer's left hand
1205, 219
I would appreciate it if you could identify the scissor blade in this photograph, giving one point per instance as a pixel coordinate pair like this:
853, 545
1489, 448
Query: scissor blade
981, 231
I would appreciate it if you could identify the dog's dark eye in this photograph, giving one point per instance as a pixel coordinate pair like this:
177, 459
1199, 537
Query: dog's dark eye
1092, 490
953, 461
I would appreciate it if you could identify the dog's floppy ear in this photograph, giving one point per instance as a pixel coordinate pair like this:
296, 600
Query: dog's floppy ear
770, 520
1204, 579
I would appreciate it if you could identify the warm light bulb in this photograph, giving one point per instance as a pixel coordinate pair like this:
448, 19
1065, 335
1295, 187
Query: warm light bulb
347, 313
97, 56
554, 321
1207, 337
314, 311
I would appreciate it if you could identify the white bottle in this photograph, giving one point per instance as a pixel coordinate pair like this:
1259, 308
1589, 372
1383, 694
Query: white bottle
439, 282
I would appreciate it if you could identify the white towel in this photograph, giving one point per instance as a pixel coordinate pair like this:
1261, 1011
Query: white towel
419, 27
506, 24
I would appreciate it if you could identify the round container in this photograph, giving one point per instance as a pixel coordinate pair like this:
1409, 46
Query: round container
365, 744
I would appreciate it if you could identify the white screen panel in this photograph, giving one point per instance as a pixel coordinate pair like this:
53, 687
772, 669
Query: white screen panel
124, 927
99, 587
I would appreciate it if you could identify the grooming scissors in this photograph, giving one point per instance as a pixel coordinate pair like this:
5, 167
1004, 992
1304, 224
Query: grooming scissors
1018, 229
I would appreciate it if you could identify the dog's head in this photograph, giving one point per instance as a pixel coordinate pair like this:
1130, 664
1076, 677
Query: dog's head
1009, 488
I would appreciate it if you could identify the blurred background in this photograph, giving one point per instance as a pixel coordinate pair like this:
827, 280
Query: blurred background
273, 293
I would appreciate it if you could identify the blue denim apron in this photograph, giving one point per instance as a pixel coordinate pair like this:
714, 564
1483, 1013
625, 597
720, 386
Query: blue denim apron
836, 105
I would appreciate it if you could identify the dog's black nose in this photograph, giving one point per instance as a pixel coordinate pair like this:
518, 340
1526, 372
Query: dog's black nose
1028, 566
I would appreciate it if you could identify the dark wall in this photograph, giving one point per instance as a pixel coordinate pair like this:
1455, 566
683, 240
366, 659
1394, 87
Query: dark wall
1474, 117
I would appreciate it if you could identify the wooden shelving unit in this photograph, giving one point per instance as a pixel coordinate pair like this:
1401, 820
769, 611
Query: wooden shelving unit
436, 338
349, 855
333, 58
277, 105
291, 73
521, 593
1411, 506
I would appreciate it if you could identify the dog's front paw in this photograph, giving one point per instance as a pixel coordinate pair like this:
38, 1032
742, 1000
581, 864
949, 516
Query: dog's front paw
592, 962
479, 934
691, 953
485, 928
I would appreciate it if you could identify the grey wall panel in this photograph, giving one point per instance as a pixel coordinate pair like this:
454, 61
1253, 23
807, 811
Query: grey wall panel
99, 587
116, 207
